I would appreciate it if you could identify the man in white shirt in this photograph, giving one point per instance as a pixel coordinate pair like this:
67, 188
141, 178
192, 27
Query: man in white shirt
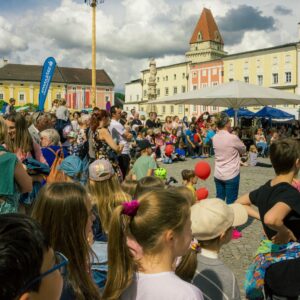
120, 136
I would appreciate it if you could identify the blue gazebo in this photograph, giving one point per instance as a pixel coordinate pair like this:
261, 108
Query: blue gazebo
241, 113
273, 113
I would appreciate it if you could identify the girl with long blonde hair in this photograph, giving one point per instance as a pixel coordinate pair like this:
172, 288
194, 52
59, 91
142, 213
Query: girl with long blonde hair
148, 235
64, 211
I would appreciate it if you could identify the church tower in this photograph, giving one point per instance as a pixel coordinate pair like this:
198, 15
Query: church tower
206, 42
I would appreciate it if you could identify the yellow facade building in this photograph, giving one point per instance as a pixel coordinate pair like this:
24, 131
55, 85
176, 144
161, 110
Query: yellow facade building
22, 82
274, 67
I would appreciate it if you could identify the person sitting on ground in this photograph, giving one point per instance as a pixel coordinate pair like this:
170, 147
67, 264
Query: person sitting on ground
278, 204
64, 211
148, 235
145, 164
212, 225
260, 141
189, 180
36, 271
17, 180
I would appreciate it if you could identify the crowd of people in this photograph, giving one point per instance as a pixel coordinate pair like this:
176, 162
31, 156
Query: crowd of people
87, 210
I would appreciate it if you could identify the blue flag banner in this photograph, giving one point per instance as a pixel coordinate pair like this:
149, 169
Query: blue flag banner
47, 74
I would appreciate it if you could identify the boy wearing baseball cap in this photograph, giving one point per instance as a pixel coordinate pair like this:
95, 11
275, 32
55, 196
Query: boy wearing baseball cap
145, 164
212, 224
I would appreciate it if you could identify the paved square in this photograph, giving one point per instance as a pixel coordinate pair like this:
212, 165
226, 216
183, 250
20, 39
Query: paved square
238, 253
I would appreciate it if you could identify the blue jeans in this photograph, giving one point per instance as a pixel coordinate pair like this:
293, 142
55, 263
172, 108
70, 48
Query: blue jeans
228, 189
264, 147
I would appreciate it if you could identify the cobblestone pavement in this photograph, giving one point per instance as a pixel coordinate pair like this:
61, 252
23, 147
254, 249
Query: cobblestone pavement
238, 254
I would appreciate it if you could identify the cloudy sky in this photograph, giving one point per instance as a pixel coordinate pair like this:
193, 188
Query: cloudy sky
129, 32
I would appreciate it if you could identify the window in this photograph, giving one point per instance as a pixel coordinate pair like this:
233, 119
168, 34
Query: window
158, 92
215, 83
214, 71
199, 38
204, 73
144, 81
130, 98
246, 79
1, 96
174, 76
107, 98
175, 90
183, 89
275, 78
275, 61
287, 59
214, 108
21, 97
166, 91
183, 75
142, 108
230, 79
194, 87
180, 109
231, 68
145, 93
205, 108
204, 85
107, 90
58, 96
222, 73
246, 65
288, 77
157, 78
194, 108
172, 109
163, 109
167, 78
285, 105
194, 74
260, 79
137, 97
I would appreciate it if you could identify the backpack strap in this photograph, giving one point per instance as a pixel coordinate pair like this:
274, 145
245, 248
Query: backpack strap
56, 153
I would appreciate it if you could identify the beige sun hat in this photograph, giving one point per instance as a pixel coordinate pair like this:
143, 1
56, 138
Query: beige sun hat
211, 217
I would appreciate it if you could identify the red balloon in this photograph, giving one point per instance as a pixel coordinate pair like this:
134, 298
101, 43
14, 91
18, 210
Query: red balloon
202, 193
202, 170
169, 150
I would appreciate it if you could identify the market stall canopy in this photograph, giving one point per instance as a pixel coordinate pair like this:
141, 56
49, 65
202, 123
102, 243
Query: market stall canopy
273, 113
241, 113
234, 94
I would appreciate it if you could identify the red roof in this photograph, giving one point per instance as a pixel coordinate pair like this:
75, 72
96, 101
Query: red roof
208, 28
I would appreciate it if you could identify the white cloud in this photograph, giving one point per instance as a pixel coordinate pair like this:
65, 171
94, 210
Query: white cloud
9, 41
128, 34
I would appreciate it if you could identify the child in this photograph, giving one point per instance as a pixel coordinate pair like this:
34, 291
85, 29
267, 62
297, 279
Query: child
160, 143
189, 180
147, 184
145, 164
64, 211
279, 211
156, 235
174, 138
129, 187
253, 153
19, 270
212, 224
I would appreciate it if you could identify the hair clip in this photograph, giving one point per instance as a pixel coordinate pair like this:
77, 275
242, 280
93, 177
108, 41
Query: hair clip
195, 246
130, 208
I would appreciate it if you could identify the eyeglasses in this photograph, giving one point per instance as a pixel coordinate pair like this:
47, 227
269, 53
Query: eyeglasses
61, 266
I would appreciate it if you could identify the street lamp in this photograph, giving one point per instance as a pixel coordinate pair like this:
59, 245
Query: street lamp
93, 4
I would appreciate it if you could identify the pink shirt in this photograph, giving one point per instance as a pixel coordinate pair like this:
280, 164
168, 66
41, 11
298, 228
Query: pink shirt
228, 148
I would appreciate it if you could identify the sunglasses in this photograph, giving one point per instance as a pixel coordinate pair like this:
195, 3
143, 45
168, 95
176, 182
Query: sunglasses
61, 266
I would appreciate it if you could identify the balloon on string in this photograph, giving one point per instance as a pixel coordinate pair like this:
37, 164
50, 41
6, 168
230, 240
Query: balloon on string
202, 193
202, 170
169, 150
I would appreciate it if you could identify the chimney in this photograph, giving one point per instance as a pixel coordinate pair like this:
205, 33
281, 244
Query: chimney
3, 62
